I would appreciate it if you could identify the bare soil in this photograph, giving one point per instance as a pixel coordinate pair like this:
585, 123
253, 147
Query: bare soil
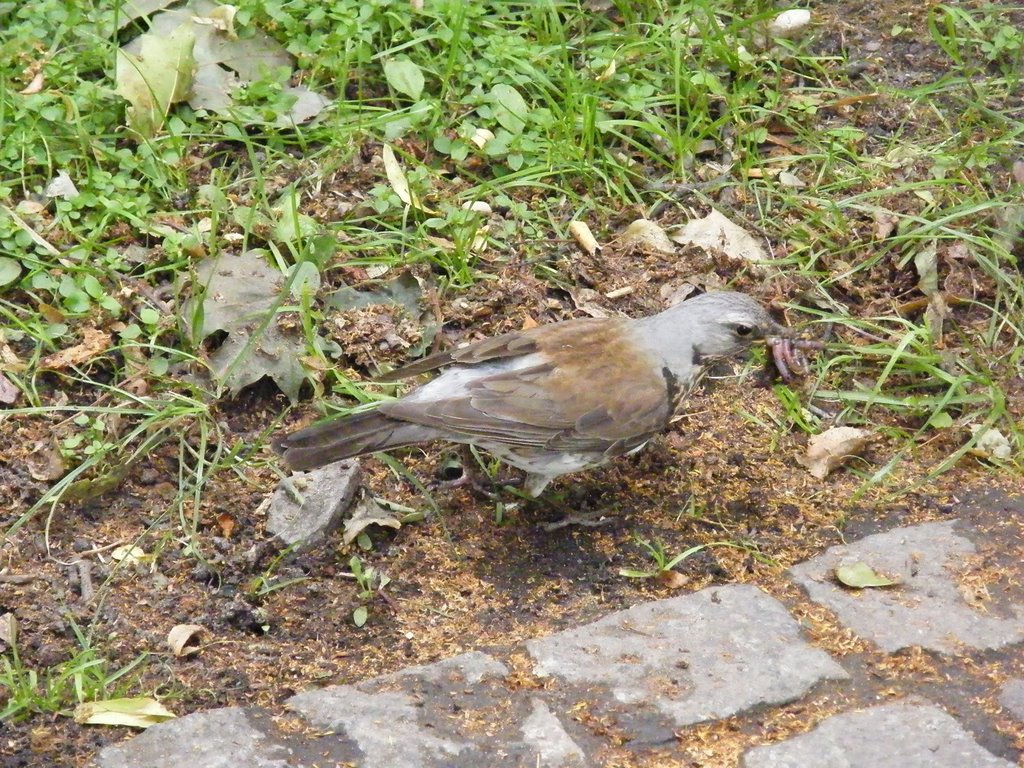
461, 579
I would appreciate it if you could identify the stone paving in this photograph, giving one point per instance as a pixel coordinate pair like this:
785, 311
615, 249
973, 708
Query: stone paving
635, 687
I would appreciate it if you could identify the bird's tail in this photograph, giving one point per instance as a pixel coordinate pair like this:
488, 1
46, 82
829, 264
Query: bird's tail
346, 437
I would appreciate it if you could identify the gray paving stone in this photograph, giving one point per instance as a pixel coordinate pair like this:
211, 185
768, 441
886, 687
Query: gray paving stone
926, 609
898, 735
691, 658
404, 720
221, 738
1011, 697
544, 732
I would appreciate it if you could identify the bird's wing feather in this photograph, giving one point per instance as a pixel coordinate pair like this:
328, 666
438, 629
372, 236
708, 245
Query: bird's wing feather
544, 406
507, 345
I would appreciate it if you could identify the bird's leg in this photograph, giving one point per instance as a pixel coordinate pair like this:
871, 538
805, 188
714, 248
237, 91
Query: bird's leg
473, 475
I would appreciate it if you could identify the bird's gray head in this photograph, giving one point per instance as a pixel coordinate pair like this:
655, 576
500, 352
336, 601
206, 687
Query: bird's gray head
716, 324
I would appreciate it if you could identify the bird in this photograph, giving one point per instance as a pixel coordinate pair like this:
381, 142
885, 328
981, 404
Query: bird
557, 398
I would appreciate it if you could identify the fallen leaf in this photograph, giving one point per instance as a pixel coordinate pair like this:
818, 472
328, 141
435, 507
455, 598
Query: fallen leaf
306, 105
672, 579
791, 180
371, 511
129, 554
8, 392
50, 313
136, 9
45, 462
715, 232
860, 575
94, 343
182, 639
222, 18
832, 448
8, 629
788, 23
404, 290
648, 236
396, 177
35, 84
975, 595
225, 61
926, 261
935, 316
93, 487
61, 186
359, 615
159, 75
227, 524
133, 713
405, 77
608, 73
481, 136
991, 443
885, 223
242, 295
477, 206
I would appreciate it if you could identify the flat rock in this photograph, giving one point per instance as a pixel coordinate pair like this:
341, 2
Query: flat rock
1011, 698
221, 738
308, 506
691, 658
927, 608
899, 735
405, 720
543, 730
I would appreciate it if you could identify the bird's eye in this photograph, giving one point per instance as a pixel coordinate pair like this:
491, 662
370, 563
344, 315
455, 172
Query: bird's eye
744, 330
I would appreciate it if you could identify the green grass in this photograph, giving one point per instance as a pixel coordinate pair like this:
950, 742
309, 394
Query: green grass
57, 689
591, 116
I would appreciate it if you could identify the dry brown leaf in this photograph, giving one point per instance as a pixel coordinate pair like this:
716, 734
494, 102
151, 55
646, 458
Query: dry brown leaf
991, 444
34, 86
672, 579
832, 448
227, 524
183, 639
885, 223
975, 595
45, 462
396, 177
528, 323
94, 343
133, 713
716, 233
8, 392
647, 235
50, 313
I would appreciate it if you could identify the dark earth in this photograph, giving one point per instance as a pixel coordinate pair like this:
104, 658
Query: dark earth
472, 575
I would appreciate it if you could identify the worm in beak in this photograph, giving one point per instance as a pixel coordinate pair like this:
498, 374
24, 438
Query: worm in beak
790, 355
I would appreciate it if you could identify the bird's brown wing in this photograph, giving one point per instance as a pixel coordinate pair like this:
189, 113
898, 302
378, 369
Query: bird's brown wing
592, 389
505, 346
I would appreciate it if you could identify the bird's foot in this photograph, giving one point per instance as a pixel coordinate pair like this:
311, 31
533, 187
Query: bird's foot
469, 475
586, 520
